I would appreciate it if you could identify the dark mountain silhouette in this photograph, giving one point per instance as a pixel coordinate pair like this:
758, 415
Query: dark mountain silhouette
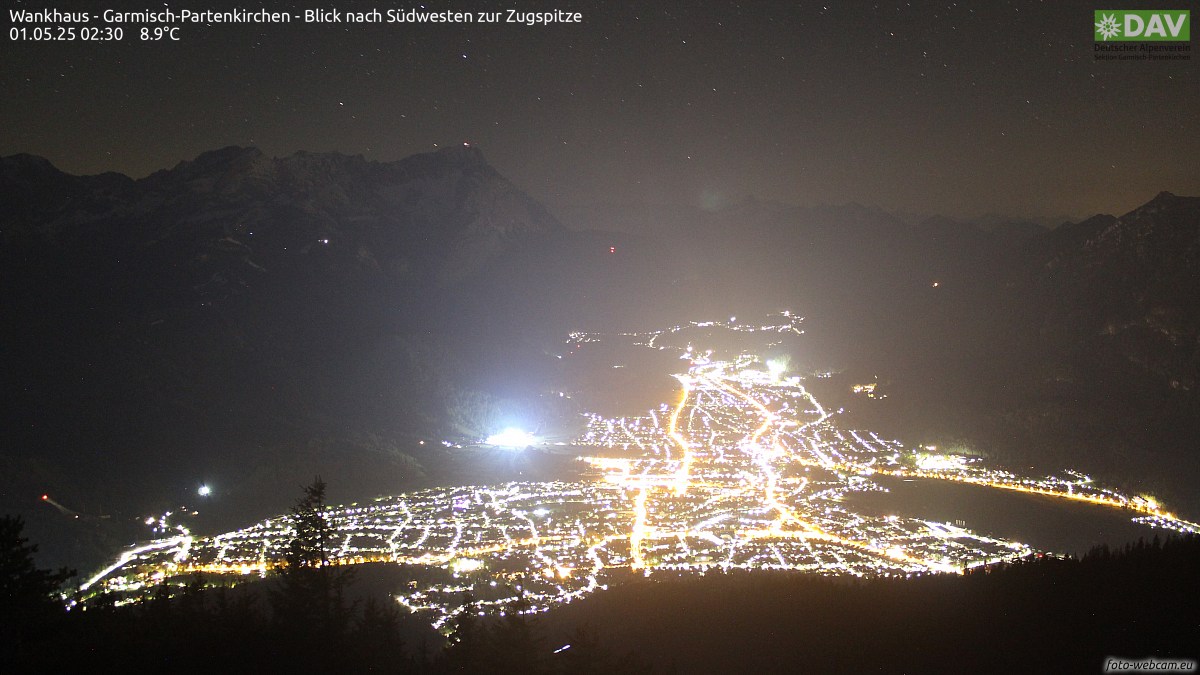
1113, 302
1079, 347
442, 214
240, 316
1130, 284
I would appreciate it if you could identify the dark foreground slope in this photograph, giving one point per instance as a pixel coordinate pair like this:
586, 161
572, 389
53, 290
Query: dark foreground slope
1048, 615
1045, 616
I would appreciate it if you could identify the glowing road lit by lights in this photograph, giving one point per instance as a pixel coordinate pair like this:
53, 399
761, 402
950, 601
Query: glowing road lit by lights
745, 470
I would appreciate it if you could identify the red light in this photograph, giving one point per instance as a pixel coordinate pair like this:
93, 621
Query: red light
45, 498
612, 249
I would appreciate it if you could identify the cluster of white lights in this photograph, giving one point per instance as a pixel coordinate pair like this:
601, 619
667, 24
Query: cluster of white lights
745, 470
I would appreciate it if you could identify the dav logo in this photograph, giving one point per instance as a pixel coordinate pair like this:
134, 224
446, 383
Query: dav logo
1143, 25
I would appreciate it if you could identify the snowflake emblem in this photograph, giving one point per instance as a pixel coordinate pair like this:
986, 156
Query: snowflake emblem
1108, 27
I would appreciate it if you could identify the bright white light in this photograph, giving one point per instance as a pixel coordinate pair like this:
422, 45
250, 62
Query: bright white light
512, 438
204, 491
777, 367
466, 565
940, 462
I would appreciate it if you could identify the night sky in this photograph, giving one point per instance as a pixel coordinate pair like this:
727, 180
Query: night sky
954, 108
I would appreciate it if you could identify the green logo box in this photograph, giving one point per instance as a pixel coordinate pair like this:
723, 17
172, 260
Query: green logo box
1143, 25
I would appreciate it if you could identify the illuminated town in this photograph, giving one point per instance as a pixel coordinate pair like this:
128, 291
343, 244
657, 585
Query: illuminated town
744, 470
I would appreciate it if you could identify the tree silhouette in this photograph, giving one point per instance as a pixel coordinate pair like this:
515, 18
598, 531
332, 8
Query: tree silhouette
28, 602
467, 643
308, 604
516, 643
377, 641
309, 546
586, 656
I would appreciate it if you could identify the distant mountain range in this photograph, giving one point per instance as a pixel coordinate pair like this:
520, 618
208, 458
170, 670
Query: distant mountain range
270, 317
239, 212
